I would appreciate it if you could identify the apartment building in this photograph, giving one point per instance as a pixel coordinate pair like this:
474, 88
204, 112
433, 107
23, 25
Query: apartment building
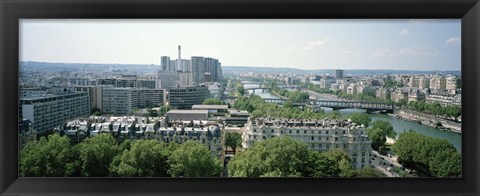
48, 111
319, 135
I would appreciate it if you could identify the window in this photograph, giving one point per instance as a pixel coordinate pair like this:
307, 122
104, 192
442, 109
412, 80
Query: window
343, 132
311, 132
305, 131
326, 132
272, 130
289, 131
254, 137
254, 130
298, 131
312, 138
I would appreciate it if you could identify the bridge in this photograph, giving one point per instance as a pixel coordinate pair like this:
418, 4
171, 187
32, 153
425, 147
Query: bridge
258, 88
338, 105
281, 101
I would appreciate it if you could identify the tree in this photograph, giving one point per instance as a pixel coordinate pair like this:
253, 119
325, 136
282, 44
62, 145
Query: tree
193, 159
49, 157
360, 118
213, 101
233, 140
279, 157
432, 156
288, 104
145, 158
240, 89
378, 138
95, 111
96, 154
385, 126
333, 163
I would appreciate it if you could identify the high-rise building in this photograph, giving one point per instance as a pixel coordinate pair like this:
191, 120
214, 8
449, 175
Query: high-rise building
165, 63
121, 101
338, 73
438, 83
186, 97
198, 69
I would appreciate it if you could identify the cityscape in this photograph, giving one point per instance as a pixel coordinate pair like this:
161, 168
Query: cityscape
196, 116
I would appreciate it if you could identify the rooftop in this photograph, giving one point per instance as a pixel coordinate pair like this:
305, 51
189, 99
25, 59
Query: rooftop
210, 107
188, 112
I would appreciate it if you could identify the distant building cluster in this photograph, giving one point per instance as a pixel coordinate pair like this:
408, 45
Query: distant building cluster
187, 72
319, 135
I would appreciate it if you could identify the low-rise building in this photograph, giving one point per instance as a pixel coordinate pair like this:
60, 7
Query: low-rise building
187, 115
319, 135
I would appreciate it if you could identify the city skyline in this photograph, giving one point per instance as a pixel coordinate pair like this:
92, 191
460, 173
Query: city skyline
303, 44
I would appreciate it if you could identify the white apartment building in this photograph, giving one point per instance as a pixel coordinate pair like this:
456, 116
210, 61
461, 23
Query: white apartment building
320, 135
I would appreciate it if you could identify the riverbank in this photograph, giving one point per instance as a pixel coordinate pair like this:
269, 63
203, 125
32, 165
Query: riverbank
427, 120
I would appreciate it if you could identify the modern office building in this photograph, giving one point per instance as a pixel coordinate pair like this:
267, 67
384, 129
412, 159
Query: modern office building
319, 135
338, 73
186, 97
187, 115
121, 101
47, 112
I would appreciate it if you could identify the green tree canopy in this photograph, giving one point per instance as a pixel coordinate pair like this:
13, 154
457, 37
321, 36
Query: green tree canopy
378, 138
368, 173
333, 163
96, 154
361, 118
213, 101
193, 159
436, 157
279, 156
145, 158
52, 157
385, 126
233, 140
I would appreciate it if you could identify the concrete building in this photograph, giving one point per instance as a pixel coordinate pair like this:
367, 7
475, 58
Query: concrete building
414, 81
438, 83
47, 112
445, 100
423, 82
451, 83
383, 93
121, 101
186, 97
338, 73
187, 115
319, 135
26, 133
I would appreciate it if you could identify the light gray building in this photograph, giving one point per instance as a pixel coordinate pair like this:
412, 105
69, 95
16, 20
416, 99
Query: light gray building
121, 101
186, 97
187, 115
47, 112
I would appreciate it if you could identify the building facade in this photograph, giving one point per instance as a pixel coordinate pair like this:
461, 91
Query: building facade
49, 111
186, 97
321, 135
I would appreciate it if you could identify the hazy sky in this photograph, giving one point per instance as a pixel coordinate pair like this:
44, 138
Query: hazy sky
305, 44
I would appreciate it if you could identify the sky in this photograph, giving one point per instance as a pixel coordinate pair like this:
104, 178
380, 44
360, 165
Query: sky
400, 44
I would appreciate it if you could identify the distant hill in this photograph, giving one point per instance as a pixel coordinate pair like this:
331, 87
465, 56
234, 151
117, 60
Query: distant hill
246, 69
144, 68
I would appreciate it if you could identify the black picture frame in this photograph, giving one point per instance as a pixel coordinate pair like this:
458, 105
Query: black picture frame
13, 10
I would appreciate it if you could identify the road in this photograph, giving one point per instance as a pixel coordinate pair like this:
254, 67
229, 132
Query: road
385, 164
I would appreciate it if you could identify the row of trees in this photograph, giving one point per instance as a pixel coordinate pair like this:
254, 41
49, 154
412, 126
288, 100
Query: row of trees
102, 156
287, 157
294, 96
436, 109
428, 155
259, 108
213, 101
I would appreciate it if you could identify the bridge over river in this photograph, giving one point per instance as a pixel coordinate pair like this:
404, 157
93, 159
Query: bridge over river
370, 107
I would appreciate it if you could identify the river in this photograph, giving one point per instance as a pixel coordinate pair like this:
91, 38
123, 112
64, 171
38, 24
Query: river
399, 125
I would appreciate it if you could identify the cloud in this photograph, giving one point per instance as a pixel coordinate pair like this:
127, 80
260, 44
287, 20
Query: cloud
419, 51
380, 53
316, 44
351, 53
454, 41
404, 32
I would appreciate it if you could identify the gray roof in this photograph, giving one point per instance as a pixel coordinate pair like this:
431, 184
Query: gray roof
210, 107
188, 112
